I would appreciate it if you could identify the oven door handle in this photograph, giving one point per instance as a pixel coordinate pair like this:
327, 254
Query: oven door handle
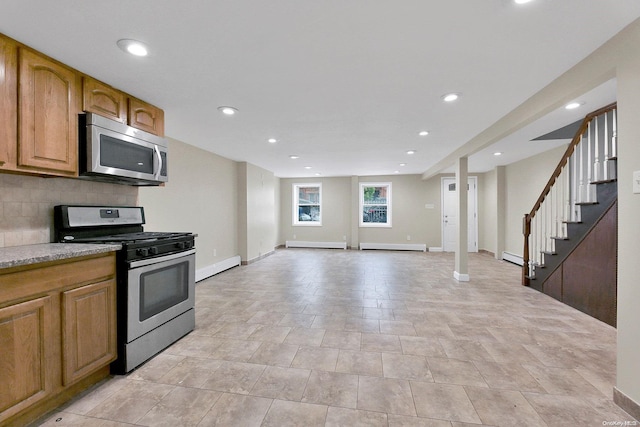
158, 163
149, 261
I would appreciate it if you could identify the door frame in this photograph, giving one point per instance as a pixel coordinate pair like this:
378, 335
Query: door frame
475, 209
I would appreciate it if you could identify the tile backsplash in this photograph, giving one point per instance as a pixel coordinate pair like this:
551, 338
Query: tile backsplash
26, 204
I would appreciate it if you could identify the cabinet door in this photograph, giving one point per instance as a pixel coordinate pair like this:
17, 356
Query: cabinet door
8, 103
25, 347
49, 103
146, 117
104, 100
88, 329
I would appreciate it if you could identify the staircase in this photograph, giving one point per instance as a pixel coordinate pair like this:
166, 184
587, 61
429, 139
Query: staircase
570, 235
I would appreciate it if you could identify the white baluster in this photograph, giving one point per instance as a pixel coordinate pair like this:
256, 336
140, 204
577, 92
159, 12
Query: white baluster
614, 138
589, 168
581, 173
575, 187
605, 164
596, 152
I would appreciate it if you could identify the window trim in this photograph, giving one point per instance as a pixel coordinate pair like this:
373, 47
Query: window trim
296, 204
389, 205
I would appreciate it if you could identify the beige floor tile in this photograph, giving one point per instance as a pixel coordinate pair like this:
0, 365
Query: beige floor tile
269, 333
332, 389
330, 322
566, 410
270, 353
452, 371
66, 419
339, 417
281, 383
234, 350
237, 410
443, 401
316, 358
294, 414
397, 327
234, 377
381, 342
504, 408
360, 362
562, 381
297, 320
190, 372
342, 340
181, 407
306, 337
266, 318
421, 346
406, 367
404, 421
388, 395
123, 409
508, 376
357, 324
465, 350
509, 352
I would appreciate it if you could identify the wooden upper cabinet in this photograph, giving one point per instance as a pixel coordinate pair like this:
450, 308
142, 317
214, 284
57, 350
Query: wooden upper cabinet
146, 117
104, 100
8, 103
48, 108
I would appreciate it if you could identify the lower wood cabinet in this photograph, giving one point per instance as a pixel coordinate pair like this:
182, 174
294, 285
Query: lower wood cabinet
57, 333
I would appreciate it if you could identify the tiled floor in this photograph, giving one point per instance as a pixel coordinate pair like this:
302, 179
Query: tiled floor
349, 338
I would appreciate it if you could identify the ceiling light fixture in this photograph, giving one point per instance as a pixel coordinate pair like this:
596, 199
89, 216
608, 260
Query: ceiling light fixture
521, 1
396, 171
410, 152
424, 133
497, 153
272, 140
228, 111
307, 167
134, 47
318, 174
293, 157
572, 105
403, 164
450, 97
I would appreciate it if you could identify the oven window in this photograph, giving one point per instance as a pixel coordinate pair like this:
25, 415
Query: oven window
118, 154
163, 288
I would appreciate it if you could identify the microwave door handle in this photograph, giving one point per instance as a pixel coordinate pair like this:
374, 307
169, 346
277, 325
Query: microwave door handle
157, 164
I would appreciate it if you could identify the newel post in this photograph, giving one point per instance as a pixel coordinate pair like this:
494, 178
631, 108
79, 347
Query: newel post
526, 230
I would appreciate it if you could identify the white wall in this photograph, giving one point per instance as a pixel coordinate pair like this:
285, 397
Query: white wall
201, 197
525, 180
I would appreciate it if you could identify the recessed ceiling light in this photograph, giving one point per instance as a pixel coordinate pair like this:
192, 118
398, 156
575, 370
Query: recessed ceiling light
450, 97
423, 133
396, 171
134, 47
572, 105
307, 167
403, 164
521, 1
410, 152
497, 153
228, 111
293, 157
318, 174
272, 140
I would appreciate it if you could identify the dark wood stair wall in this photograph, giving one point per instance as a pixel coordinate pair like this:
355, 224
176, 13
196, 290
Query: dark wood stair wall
587, 278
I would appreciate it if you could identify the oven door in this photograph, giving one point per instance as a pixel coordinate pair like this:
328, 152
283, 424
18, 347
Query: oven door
159, 289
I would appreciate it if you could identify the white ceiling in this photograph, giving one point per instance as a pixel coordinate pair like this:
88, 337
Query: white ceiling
345, 84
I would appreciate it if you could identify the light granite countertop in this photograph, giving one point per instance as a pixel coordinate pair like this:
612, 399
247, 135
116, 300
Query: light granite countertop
33, 254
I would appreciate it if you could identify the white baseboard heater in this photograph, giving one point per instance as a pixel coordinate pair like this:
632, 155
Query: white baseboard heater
321, 245
395, 246
218, 267
516, 259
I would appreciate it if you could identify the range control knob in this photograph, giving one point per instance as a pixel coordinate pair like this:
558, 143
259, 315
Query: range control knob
153, 250
143, 252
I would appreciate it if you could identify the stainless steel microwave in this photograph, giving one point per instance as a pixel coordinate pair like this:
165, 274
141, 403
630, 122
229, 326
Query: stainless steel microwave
114, 152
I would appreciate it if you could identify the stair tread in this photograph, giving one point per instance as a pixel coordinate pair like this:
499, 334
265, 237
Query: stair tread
559, 238
548, 252
586, 203
613, 158
604, 181
536, 265
530, 277
572, 222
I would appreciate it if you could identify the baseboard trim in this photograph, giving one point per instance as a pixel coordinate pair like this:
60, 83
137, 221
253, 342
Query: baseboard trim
485, 251
516, 259
395, 246
630, 406
321, 245
460, 277
258, 258
436, 249
218, 267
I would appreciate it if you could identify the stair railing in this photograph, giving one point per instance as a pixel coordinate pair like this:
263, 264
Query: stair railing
587, 160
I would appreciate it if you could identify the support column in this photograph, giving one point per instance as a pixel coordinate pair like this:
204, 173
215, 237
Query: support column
501, 210
355, 212
461, 272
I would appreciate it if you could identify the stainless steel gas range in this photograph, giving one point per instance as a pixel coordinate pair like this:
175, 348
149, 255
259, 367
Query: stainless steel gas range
156, 277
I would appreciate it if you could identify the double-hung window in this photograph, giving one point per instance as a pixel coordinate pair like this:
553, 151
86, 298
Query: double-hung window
307, 204
375, 204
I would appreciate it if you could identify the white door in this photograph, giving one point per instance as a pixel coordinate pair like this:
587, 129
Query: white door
450, 212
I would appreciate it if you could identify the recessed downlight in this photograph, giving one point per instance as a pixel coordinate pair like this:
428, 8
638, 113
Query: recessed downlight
318, 174
450, 97
521, 1
227, 111
308, 167
572, 105
497, 153
272, 140
396, 171
403, 164
294, 157
423, 133
410, 152
134, 47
